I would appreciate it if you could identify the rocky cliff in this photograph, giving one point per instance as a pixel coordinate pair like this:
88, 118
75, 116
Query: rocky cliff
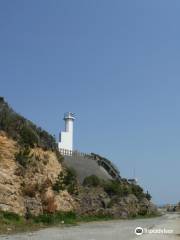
34, 180
29, 189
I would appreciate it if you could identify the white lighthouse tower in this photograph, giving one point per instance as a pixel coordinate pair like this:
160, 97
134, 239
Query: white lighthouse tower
66, 138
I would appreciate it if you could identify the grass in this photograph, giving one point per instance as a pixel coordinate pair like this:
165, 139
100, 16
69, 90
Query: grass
56, 218
12, 223
87, 218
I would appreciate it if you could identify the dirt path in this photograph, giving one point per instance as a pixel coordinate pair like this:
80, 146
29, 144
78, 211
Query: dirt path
110, 230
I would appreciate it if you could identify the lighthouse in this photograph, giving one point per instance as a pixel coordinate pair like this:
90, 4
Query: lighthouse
66, 137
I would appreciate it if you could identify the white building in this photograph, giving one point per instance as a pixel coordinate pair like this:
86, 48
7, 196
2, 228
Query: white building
66, 137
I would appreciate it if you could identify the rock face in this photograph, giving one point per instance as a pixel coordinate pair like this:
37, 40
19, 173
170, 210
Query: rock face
29, 189
11, 198
94, 201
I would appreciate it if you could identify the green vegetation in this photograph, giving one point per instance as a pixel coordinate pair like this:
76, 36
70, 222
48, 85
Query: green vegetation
24, 131
116, 188
27, 134
29, 137
23, 157
59, 156
56, 218
113, 188
68, 218
137, 191
92, 181
148, 196
10, 217
11, 222
66, 180
122, 189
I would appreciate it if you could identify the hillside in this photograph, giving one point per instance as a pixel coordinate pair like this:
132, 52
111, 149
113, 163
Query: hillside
22, 130
29, 189
34, 180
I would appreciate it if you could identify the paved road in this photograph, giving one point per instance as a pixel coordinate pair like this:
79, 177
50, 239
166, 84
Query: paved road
110, 230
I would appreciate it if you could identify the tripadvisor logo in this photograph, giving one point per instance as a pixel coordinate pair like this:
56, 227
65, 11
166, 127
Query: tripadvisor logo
138, 231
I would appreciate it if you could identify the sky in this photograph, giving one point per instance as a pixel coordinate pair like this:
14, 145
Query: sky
115, 64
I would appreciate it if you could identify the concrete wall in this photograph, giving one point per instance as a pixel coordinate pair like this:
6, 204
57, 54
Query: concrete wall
85, 166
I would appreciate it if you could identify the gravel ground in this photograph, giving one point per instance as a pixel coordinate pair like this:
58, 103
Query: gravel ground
109, 230
171, 223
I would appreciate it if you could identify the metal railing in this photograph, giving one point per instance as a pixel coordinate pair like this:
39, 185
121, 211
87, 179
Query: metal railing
69, 115
105, 163
67, 152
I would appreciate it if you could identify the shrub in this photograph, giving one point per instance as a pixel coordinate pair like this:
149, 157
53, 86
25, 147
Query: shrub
59, 184
143, 212
10, 216
92, 181
44, 218
28, 137
137, 191
113, 188
23, 130
70, 176
23, 156
126, 190
67, 180
59, 156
